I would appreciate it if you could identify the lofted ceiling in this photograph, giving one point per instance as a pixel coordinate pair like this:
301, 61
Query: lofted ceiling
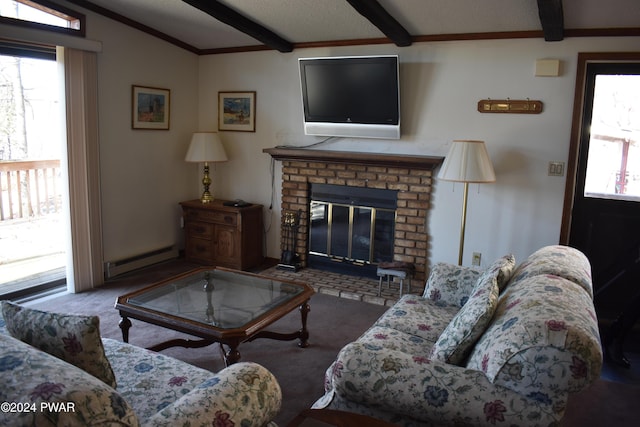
212, 26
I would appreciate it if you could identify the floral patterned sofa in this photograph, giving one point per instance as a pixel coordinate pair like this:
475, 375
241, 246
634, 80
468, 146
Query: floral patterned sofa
505, 346
58, 371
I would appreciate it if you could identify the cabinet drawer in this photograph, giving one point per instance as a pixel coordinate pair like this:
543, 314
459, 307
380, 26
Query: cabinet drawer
200, 230
199, 249
209, 216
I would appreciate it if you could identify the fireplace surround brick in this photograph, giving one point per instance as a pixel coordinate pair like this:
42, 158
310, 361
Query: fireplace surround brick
413, 182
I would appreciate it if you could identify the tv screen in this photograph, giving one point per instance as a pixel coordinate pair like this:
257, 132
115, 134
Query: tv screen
351, 96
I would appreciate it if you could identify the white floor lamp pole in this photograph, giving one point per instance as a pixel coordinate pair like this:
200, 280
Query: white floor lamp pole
467, 161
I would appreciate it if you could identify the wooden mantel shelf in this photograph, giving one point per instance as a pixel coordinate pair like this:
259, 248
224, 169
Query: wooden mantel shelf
352, 157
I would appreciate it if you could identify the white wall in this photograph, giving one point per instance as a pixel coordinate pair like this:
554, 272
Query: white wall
143, 173
441, 85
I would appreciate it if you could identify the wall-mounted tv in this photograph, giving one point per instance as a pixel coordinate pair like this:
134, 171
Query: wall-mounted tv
354, 96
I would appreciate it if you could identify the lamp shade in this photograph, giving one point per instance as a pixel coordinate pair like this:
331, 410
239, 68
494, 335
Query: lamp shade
205, 147
467, 161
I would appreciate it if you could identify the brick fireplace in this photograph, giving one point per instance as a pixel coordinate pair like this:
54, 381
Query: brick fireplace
410, 176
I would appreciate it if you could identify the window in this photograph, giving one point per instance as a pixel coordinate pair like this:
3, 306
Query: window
42, 14
613, 165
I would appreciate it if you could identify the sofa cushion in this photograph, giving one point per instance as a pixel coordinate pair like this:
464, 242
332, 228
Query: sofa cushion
450, 284
418, 316
72, 338
37, 379
379, 337
469, 323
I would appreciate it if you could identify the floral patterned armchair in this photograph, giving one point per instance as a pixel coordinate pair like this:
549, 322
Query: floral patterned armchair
505, 346
56, 370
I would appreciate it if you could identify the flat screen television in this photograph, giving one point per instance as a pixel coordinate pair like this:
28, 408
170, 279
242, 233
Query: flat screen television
354, 96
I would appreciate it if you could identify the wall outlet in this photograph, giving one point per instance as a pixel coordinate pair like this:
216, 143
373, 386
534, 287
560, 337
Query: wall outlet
476, 258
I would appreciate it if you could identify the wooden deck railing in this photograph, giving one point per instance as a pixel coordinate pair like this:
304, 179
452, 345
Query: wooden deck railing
29, 188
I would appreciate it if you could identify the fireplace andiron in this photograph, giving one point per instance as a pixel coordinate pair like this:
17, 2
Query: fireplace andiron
289, 259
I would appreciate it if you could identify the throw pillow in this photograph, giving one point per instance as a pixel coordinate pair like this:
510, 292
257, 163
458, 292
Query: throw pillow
72, 338
504, 268
466, 327
450, 284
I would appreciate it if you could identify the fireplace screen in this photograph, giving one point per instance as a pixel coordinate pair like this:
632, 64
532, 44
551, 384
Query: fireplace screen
352, 224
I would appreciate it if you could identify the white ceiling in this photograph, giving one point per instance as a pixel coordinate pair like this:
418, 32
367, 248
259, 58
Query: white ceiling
305, 21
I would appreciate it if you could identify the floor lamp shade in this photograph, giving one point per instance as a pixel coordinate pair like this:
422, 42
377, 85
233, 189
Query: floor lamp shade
206, 147
467, 161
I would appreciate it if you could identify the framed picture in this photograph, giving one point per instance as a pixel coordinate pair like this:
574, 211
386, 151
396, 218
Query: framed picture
150, 108
237, 111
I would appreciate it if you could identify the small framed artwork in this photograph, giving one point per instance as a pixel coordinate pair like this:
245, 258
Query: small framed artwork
150, 108
237, 111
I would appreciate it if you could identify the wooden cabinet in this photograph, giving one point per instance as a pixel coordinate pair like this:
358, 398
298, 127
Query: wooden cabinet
221, 235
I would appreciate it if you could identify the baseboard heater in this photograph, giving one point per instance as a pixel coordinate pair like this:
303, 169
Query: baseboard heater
115, 268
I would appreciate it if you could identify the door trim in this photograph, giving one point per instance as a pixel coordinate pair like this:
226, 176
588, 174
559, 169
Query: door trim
584, 58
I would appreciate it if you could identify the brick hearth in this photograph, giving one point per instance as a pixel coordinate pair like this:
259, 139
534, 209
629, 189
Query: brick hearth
410, 175
349, 287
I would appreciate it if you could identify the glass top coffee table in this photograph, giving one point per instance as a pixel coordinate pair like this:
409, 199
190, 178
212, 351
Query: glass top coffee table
219, 306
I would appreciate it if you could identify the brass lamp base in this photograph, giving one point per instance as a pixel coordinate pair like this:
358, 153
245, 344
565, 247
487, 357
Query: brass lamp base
207, 197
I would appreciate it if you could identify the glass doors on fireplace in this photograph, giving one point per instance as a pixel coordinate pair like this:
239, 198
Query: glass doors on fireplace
353, 226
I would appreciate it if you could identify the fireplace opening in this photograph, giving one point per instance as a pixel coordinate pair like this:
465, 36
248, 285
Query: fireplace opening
351, 229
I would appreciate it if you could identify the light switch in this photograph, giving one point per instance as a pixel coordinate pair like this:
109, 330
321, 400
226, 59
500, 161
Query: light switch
556, 168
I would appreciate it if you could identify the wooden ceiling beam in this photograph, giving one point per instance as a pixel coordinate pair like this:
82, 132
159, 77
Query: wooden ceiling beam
552, 19
374, 12
240, 22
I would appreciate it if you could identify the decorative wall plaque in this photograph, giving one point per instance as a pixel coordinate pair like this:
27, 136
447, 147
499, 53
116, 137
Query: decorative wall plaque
512, 106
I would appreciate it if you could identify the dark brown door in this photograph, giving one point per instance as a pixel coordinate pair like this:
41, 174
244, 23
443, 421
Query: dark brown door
605, 219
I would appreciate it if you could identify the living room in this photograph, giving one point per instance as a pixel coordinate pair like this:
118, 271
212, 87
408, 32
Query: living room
143, 175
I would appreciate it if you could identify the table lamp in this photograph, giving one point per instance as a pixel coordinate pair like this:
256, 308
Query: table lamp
467, 161
206, 147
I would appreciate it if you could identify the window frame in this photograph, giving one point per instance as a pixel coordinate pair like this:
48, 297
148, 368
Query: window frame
53, 9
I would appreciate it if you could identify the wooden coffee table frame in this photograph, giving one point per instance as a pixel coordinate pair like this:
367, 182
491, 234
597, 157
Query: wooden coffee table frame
209, 334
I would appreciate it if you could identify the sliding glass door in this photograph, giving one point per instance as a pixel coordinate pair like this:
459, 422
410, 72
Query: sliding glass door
33, 229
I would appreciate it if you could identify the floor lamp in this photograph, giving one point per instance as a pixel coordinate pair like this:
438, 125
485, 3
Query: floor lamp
466, 162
